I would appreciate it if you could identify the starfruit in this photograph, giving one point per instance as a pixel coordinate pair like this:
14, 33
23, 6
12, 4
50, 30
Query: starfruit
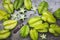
28, 4
4, 34
6, 1
57, 13
35, 24
18, 4
51, 30
34, 34
42, 26
8, 6
43, 6
34, 19
42, 30
3, 15
9, 24
47, 16
54, 29
24, 31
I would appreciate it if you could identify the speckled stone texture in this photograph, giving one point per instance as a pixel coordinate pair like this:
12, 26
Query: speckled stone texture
53, 5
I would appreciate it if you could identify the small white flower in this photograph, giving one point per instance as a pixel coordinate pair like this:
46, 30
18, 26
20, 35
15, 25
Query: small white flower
22, 10
22, 17
17, 16
43, 36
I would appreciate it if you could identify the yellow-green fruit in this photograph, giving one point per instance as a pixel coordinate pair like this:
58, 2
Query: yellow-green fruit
47, 16
8, 8
43, 30
4, 15
18, 4
28, 4
34, 34
36, 23
42, 26
34, 19
4, 34
10, 24
24, 31
43, 6
6, 1
54, 29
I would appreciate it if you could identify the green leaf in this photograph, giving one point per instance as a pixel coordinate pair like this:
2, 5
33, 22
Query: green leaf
34, 34
24, 31
10, 24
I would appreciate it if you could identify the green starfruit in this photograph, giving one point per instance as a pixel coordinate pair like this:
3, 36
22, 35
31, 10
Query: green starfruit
4, 34
34, 34
24, 31
8, 6
18, 4
9, 24
47, 16
3, 15
43, 6
54, 29
34, 19
28, 4
57, 13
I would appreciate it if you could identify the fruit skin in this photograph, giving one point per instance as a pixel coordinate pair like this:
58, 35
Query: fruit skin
6, 1
9, 24
28, 4
33, 34
24, 31
8, 6
41, 26
57, 13
3, 15
34, 20
43, 30
54, 29
18, 4
43, 6
47, 16
4, 34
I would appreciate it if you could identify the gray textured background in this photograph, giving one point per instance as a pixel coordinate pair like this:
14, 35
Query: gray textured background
53, 5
